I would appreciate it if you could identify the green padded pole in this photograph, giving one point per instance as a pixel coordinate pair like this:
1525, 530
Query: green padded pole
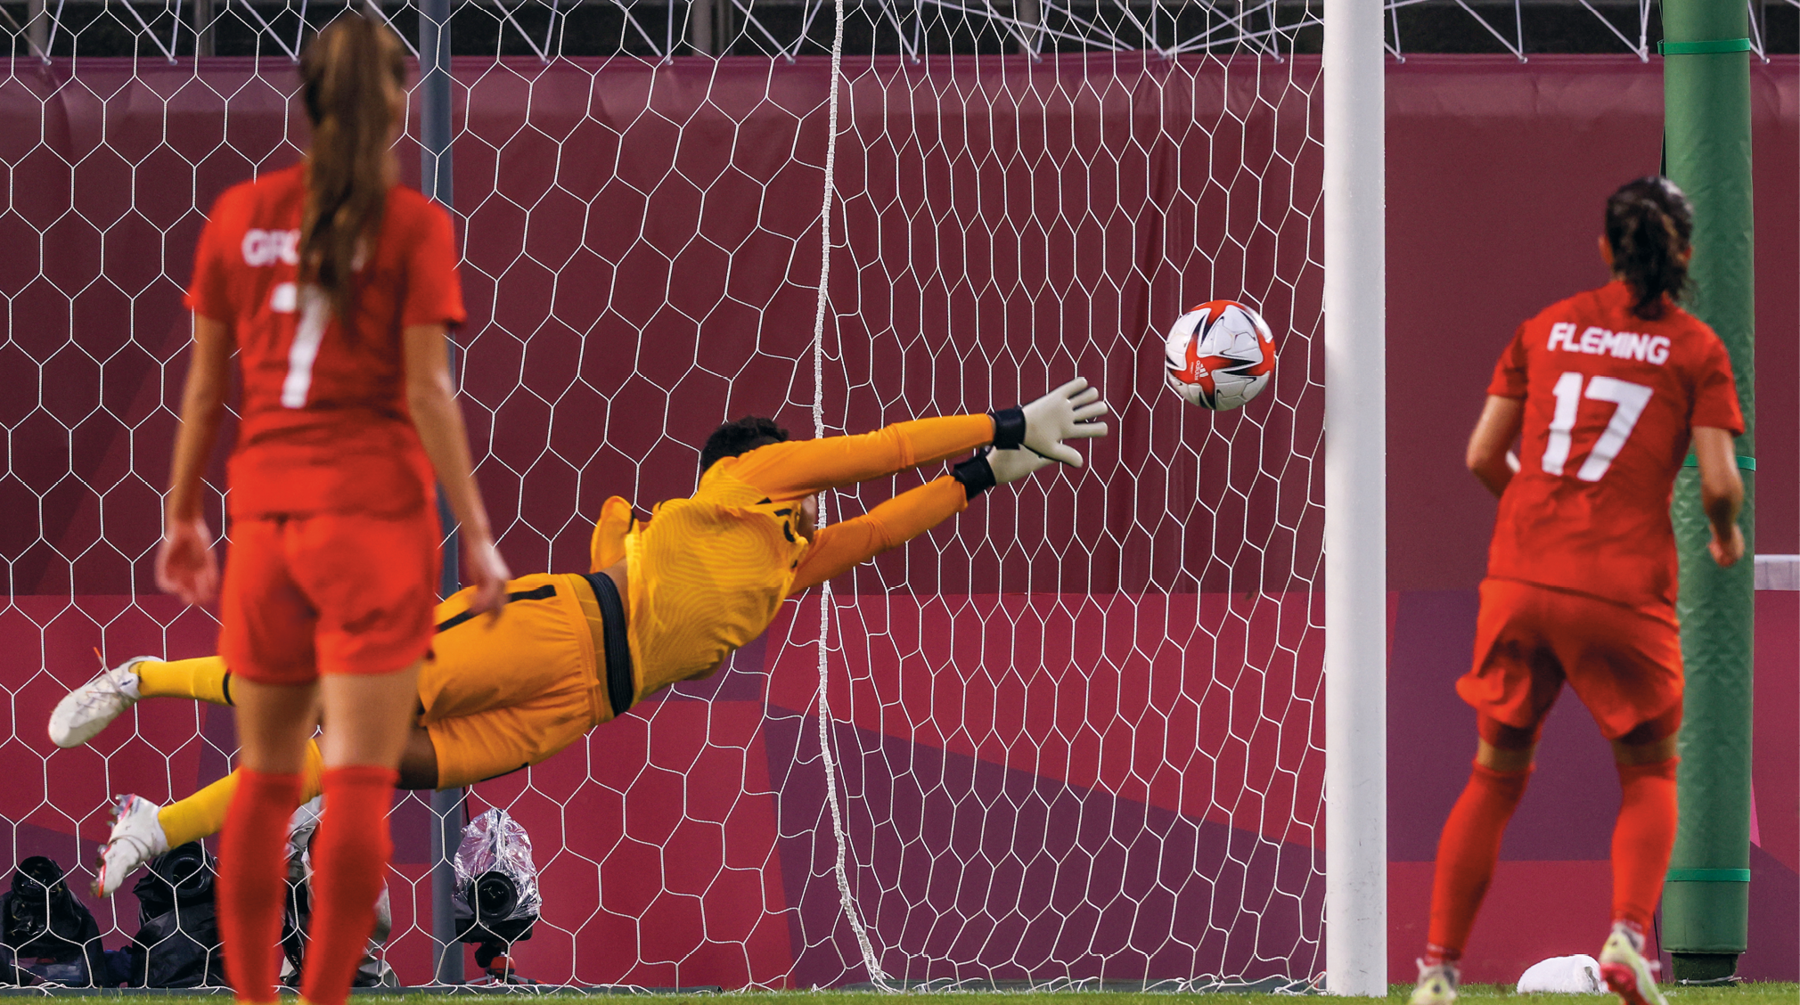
1706, 92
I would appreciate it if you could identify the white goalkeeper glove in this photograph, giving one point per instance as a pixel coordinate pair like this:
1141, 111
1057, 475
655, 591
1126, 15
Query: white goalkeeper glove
1069, 412
990, 467
1012, 465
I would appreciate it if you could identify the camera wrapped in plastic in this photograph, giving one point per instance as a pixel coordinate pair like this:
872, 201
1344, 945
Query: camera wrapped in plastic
497, 900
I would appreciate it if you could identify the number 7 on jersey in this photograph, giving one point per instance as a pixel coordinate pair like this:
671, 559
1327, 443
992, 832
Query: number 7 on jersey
1630, 400
315, 311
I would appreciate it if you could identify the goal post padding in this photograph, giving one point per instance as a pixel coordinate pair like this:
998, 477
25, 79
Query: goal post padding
1077, 729
1707, 151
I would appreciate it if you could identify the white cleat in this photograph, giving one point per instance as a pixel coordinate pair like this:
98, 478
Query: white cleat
1437, 985
1626, 972
137, 837
87, 710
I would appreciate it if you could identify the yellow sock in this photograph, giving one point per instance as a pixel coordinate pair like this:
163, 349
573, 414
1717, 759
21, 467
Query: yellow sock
199, 815
203, 813
204, 679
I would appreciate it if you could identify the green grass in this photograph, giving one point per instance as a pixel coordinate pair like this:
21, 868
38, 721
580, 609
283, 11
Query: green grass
1747, 994
1754, 993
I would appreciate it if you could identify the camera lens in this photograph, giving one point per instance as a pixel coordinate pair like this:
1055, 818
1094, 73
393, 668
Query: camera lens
493, 896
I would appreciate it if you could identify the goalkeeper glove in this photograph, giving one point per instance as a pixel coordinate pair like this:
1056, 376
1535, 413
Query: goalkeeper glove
990, 467
1069, 412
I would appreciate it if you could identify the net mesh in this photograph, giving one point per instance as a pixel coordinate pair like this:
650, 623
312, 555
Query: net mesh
1069, 735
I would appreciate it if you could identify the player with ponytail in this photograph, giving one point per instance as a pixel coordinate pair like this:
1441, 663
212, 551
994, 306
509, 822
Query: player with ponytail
336, 286
353, 83
1604, 393
1648, 225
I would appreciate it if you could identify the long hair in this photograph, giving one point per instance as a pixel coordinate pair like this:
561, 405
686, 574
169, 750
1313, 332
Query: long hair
1648, 224
345, 76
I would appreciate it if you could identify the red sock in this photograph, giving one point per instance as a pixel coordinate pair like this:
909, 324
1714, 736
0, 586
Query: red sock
1466, 856
252, 879
350, 855
1642, 839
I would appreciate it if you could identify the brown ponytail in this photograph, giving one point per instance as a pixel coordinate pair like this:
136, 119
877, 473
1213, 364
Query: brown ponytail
1648, 224
347, 75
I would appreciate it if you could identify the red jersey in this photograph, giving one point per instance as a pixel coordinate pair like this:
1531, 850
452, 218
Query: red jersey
324, 424
1610, 400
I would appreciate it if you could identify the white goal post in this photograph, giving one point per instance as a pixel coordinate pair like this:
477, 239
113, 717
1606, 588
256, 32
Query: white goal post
1355, 502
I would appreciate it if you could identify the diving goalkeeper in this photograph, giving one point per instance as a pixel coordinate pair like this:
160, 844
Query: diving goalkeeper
666, 600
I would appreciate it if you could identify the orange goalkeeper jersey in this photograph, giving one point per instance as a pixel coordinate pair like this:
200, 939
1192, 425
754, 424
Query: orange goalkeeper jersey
707, 573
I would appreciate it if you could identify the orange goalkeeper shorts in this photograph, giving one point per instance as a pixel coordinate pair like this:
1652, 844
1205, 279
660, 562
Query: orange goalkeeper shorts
1624, 665
502, 694
325, 593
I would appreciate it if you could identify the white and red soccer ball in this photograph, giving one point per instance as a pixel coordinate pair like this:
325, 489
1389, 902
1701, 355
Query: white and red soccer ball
1219, 355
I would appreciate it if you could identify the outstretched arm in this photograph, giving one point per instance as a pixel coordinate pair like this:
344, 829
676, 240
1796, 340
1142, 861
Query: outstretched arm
185, 563
837, 548
802, 467
439, 421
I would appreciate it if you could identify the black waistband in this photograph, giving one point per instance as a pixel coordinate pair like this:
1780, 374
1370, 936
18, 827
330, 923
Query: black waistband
544, 592
621, 689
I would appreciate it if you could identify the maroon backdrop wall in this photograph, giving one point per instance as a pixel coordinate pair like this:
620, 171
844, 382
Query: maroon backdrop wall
1119, 665
577, 263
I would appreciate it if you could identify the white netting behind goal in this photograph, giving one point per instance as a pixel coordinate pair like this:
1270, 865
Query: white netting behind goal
1070, 734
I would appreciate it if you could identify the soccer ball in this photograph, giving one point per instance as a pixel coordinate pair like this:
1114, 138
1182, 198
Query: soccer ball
1219, 355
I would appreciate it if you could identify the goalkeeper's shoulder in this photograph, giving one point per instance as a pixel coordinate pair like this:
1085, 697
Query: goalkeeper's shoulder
606, 547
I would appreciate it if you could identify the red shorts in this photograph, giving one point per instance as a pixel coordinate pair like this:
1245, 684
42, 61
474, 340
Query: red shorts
328, 593
1623, 664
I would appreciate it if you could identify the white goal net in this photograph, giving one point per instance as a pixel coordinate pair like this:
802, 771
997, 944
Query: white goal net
1074, 734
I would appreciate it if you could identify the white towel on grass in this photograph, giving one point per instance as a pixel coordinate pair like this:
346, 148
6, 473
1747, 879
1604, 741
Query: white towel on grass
1578, 975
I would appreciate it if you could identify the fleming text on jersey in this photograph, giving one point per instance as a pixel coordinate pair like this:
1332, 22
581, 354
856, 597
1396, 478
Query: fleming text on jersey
1598, 341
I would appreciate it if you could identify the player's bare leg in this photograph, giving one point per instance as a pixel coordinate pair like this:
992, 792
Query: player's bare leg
418, 761
1642, 841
